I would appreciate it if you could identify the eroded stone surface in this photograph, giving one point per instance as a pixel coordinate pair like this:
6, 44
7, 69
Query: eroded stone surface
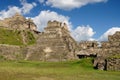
18, 22
110, 53
55, 43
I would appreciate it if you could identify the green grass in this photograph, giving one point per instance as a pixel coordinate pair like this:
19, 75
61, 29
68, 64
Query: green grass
70, 70
31, 38
14, 37
10, 37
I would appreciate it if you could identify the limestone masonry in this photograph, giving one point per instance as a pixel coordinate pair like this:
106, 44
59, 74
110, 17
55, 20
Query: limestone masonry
54, 44
17, 22
109, 56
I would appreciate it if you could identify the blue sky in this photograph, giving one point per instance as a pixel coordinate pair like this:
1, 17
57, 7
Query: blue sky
86, 19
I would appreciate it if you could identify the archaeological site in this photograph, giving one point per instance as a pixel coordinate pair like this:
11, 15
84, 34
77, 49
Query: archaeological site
20, 40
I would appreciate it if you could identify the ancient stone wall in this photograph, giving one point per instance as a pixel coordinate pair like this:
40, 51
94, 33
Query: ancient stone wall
10, 52
55, 43
18, 22
110, 53
88, 44
115, 37
113, 64
88, 49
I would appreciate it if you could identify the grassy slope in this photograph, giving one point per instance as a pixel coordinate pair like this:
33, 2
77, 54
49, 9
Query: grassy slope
14, 37
30, 38
72, 70
10, 37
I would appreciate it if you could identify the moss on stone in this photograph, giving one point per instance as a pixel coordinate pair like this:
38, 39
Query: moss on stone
14, 37
117, 56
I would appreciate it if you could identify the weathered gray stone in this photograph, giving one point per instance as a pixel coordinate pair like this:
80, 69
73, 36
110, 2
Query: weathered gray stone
54, 44
110, 53
113, 64
10, 52
18, 22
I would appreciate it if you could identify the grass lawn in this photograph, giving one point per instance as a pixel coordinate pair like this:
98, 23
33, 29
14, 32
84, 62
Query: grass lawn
70, 70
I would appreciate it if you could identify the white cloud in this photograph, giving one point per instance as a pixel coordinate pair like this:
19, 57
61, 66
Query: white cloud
44, 16
25, 9
111, 31
71, 4
83, 33
80, 33
27, 6
41, 1
10, 12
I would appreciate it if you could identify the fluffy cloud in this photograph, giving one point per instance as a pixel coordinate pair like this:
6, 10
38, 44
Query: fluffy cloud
41, 1
10, 12
80, 33
111, 31
27, 6
25, 9
83, 33
70, 4
44, 16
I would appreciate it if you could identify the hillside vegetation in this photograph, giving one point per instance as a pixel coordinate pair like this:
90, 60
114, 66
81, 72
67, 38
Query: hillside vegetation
70, 70
16, 37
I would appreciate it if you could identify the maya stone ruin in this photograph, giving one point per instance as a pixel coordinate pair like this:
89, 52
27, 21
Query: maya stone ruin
56, 44
108, 57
